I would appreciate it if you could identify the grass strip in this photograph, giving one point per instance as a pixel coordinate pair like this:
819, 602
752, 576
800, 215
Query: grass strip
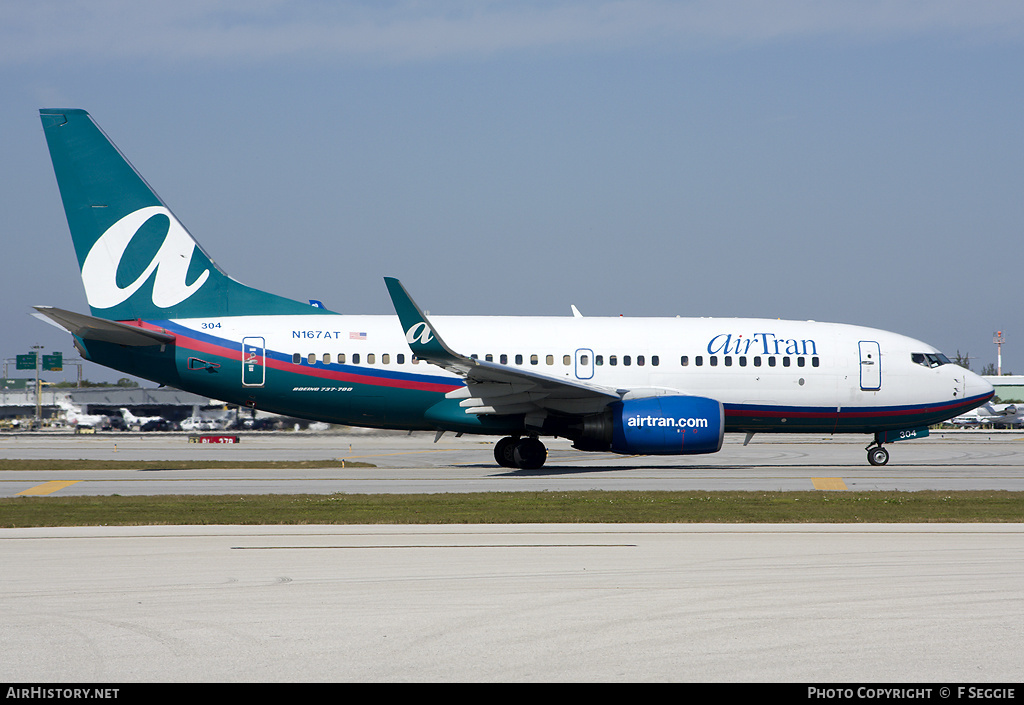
518, 507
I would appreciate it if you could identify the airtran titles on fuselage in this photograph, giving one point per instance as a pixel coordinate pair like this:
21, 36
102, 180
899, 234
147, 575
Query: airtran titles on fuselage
760, 344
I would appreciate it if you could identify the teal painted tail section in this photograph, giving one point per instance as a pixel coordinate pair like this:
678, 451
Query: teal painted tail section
137, 259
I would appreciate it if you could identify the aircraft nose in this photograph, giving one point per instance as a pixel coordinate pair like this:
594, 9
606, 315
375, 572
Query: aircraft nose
978, 386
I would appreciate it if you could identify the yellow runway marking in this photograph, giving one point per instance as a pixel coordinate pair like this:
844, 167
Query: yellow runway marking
49, 487
828, 483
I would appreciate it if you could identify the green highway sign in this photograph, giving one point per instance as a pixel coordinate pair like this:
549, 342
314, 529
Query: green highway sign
53, 362
26, 362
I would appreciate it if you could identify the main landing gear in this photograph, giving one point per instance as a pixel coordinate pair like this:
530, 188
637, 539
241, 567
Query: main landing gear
522, 453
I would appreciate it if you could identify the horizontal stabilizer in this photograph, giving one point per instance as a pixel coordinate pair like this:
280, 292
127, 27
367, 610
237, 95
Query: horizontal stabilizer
92, 328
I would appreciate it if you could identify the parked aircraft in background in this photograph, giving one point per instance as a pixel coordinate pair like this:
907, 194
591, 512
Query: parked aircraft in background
74, 416
989, 414
131, 419
162, 310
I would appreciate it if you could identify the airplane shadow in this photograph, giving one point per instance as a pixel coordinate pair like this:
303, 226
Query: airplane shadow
555, 470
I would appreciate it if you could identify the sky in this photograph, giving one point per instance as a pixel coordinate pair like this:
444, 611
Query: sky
859, 161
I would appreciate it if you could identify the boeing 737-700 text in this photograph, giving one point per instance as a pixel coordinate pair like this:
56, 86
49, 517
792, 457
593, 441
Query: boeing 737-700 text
162, 310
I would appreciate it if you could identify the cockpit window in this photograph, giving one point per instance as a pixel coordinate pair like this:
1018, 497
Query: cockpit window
929, 359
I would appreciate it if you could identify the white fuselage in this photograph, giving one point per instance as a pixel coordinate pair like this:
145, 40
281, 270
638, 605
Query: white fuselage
759, 362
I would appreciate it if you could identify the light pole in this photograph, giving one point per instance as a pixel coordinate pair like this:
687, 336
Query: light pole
998, 339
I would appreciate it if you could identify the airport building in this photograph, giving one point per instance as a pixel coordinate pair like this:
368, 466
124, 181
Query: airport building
18, 399
18, 402
1008, 387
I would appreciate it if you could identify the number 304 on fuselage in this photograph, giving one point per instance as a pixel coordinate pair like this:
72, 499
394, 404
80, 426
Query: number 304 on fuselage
162, 310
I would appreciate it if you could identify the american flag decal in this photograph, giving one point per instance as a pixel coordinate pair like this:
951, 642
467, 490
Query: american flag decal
357, 336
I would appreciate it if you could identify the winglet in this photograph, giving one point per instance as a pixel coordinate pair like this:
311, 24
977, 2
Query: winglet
423, 340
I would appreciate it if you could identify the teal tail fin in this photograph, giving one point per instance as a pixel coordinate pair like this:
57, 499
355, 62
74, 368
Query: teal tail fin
137, 260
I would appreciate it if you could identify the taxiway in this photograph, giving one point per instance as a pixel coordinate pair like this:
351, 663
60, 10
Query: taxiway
397, 462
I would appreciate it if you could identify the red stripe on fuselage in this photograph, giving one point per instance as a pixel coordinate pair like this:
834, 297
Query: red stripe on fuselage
200, 346
372, 380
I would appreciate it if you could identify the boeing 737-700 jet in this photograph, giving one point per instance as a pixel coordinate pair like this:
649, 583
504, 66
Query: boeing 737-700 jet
162, 310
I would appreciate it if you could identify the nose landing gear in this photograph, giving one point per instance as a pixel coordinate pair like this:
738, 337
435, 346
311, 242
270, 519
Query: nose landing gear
522, 453
877, 455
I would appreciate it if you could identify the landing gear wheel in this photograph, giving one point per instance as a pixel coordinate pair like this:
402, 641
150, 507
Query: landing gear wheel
504, 450
529, 454
878, 456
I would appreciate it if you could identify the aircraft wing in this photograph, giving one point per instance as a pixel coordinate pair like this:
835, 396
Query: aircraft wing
492, 388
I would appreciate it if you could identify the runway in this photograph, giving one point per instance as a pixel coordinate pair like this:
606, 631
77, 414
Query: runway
414, 463
581, 603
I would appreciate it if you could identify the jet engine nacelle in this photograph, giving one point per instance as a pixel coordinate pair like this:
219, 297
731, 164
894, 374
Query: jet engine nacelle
665, 425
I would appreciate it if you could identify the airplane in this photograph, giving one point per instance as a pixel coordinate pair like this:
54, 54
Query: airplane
76, 417
999, 415
161, 309
131, 419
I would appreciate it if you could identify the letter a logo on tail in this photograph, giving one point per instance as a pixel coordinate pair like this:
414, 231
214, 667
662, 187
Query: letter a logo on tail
169, 267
